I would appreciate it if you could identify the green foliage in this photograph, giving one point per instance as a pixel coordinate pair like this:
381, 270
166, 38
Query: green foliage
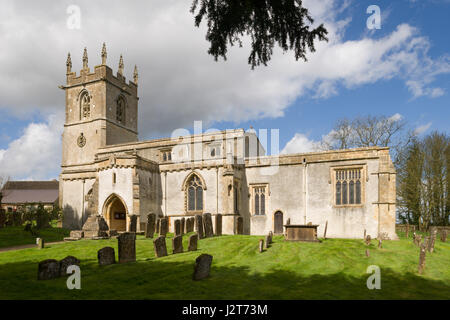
333, 269
286, 22
16, 236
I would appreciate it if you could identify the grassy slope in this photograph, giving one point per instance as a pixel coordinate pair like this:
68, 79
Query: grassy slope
16, 236
333, 269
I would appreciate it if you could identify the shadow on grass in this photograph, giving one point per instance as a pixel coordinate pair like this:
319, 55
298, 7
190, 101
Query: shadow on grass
165, 279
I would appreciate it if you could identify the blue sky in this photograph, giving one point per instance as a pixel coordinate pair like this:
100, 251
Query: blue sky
182, 83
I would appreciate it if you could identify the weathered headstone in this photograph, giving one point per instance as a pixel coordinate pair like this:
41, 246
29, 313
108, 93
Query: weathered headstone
207, 225
261, 245
218, 225
106, 256
157, 225
368, 239
407, 231
202, 266
127, 247
40, 243
199, 226
183, 226
163, 226
380, 245
67, 262
433, 239
267, 242
270, 237
325, 231
192, 244
418, 239
150, 228
192, 224
132, 227
443, 236
177, 244
177, 228
423, 252
160, 246
48, 269
240, 225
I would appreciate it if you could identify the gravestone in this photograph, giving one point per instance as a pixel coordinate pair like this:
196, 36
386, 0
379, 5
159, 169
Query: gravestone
325, 232
40, 243
192, 224
157, 225
433, 239
199, 226
218, 224
368, 239
132, 227
407, 231
423, 252
127, 247
183, 226
367, 253
177, 228
106, 256
150, 228
160, 246
207, 225
189, 225
418, 239
202, 266
240, 225
67, 262
267, 242
192, 244
380, 245
261, 245
48, 269
177, 244
163, 226
444, 236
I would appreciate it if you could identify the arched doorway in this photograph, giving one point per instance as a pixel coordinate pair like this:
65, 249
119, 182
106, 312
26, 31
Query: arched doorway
115, 213
278, 222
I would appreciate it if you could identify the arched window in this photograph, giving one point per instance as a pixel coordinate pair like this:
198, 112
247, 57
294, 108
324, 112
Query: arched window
194, 194
85, 105
352, 192
120, 110
344, 192
338, 193
348, 187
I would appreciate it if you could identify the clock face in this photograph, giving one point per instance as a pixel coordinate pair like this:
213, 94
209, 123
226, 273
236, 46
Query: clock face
81, 141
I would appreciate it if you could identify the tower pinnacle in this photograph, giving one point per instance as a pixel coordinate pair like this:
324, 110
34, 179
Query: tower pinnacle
104, 54
135, 75
69, 63
121, 66
85, 59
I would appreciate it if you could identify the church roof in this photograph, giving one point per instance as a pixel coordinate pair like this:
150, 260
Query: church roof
17, 192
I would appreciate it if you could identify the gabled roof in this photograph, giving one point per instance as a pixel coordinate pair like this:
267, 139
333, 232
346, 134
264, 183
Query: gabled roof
17, 192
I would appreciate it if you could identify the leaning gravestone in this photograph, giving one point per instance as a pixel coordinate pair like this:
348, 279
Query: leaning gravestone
177, 228
66, 263
127, 247
423, 252
192, 244
444, 236
177, 244
218, 224
40, 243
202, 266
163, 226
261, 245
106, 256
199, 226
270, 237
239, 225
418, 239
150, 228
207, 225
133, 223
183, 225
267, 242
160, 246
48, 269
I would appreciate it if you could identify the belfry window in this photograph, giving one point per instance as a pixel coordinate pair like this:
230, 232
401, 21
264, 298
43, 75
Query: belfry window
348, 187
120, 110
85, 106
194, 194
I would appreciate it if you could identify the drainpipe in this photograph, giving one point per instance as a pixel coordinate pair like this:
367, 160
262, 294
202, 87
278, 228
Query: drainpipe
217, 190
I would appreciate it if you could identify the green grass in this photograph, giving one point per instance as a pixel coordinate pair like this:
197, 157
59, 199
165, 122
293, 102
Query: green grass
16, 236
333, 269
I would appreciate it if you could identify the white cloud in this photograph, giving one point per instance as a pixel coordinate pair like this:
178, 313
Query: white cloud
396, 117
421, 129
36, 155
300, 143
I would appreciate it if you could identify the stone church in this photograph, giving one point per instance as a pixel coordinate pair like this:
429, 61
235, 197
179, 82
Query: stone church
106, 170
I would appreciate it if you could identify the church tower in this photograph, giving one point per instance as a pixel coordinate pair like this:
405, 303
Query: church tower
101, 110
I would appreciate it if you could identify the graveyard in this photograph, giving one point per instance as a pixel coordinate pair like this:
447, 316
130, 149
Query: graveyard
330, 269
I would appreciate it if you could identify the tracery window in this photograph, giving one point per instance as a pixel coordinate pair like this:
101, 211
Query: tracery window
348, 186
120, 110
85, 105
194, 194
259, 199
